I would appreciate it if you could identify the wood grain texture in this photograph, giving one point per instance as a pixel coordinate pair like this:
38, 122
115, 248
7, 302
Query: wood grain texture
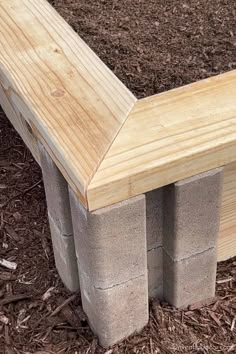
19, 124
227, 240
169, 137
73, 102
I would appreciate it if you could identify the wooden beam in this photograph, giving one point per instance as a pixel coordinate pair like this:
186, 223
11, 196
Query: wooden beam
74, 104
19, 124
169, 137
227, 240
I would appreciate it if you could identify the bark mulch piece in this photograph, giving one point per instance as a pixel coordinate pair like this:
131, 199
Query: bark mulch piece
38, 315
157, 45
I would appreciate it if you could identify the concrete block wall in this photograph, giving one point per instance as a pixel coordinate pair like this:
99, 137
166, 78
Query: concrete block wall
162, 244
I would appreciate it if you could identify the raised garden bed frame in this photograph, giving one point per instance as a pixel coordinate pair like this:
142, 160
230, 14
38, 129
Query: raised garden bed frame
109, 146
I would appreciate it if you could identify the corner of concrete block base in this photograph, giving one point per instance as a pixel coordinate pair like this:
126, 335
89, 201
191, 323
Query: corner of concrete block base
112, 257
190, 280
111, 242
116, 312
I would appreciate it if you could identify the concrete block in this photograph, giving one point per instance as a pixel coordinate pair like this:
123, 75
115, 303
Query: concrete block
112, 257
192, 214
111, 242
190, 280
57, 194
116, 312
154, 212
155, 273
65, 257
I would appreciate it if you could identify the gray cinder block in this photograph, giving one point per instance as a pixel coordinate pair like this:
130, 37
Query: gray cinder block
185, 216
111, 242
154, 211
190, 280
192, 214
191, 227
155, 273
116, 312
65, 257
59, 213
57, 195
112, 256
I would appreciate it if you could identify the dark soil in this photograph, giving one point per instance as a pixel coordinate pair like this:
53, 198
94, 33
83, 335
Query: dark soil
28, 320
157, 45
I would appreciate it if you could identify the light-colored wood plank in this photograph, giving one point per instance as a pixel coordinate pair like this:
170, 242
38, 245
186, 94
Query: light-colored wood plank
73, 102
227, 240
169, 137
19, 124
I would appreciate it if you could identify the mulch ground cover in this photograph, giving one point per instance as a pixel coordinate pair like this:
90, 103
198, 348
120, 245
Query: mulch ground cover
38, 315
156, 45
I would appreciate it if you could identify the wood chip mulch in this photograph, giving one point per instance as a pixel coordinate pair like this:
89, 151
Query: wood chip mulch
38, 315
157, 45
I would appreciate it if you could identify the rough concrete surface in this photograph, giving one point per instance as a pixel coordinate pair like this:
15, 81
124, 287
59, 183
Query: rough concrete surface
112, 257
192, 214
65, 257
57, 194
154, 212
189, 280
116, 312
155, 273
111, 242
